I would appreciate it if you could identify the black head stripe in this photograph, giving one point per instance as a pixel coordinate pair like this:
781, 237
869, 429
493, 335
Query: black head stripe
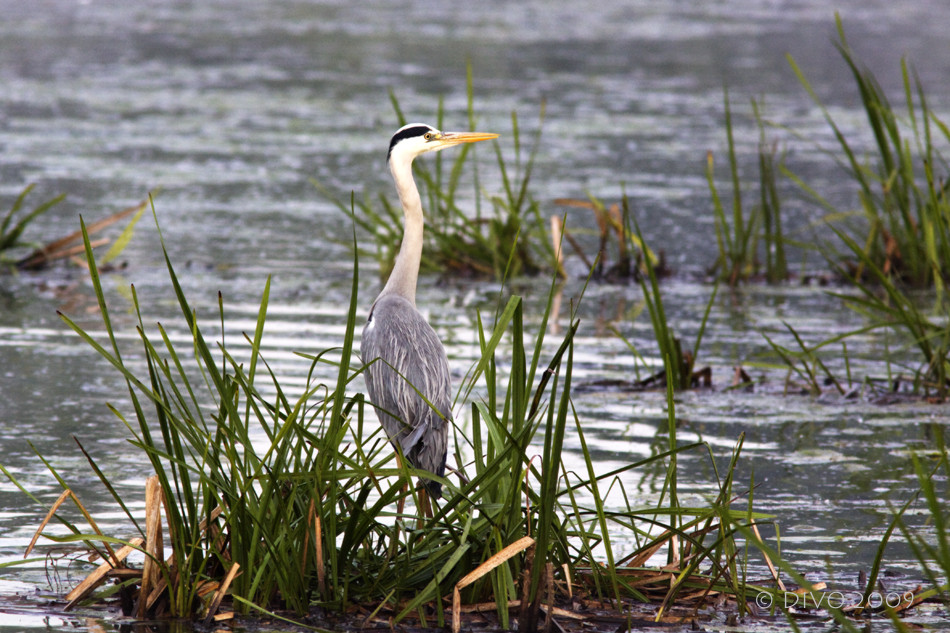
407, 132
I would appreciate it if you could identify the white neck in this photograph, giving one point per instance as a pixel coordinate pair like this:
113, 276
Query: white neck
405, 273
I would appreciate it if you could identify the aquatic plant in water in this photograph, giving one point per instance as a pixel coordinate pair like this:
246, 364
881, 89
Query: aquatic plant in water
65, 247
679, 365
739, 237
287, 502
903, 186
14, 224
901, 243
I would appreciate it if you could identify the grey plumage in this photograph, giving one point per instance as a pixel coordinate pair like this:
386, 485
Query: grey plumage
407, 373
411, 368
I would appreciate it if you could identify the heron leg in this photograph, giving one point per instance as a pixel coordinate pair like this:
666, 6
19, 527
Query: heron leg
424, 503
401, 504
425, 506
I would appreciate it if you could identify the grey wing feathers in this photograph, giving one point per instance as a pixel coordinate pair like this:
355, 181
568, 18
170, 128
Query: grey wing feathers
411, 362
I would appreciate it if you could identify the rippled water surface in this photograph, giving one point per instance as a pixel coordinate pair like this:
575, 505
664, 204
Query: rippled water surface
229, 110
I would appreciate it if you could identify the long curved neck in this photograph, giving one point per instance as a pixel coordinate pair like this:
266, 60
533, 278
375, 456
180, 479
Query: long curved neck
402, 280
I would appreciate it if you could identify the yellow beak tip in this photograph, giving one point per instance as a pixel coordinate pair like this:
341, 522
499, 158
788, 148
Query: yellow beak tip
468, 137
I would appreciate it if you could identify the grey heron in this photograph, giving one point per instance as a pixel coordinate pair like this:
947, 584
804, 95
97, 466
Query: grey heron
407, 373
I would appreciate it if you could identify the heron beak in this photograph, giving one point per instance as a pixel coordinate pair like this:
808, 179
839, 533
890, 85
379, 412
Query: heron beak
457, 138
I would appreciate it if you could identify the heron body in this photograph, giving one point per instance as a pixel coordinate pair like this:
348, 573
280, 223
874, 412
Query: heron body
409, 384
407, 372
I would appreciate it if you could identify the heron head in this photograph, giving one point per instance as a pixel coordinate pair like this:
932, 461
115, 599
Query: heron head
415, 139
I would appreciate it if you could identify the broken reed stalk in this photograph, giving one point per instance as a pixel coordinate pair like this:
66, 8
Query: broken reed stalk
559, 233
96, 578
515, 548
557, 224
153, 582
314, 520
151, 568
609, 219
72, 244
220, 593
69, 494
768, 560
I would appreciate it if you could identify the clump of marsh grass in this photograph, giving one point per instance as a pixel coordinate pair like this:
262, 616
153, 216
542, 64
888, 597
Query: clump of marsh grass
287, 503
613, 228
904, 202
807, 363
902, 185
888, 306
932, 551
930, 544
748, 231
679, 365
901, 244
14, 223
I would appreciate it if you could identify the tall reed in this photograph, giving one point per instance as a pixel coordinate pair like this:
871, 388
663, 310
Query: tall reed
750, 228
902, 186
679, 365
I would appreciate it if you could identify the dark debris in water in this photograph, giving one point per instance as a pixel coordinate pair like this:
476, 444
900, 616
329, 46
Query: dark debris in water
700, 379
878, 391
580, 615
567, 616
701, 611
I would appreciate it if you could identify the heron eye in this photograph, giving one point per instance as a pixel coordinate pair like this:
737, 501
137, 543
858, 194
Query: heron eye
428, 136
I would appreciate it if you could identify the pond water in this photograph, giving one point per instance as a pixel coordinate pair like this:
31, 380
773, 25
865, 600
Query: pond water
230, 109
